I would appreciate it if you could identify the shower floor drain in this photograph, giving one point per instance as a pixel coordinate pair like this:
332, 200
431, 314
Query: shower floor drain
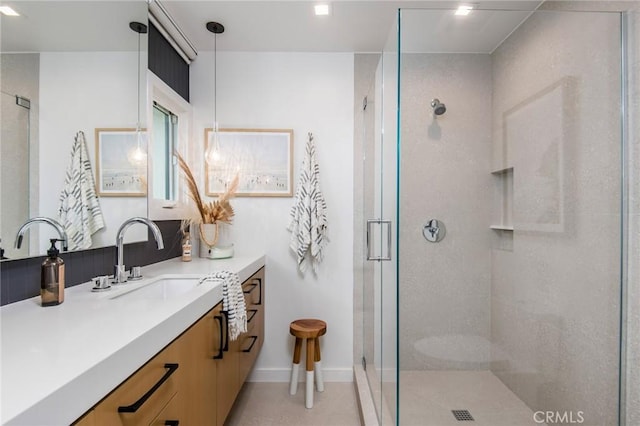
462, 415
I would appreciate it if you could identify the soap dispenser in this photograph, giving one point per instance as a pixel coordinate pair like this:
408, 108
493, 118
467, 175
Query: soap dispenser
52, 277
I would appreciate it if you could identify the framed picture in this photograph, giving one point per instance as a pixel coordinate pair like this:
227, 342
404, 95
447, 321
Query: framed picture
121, 163
262, 158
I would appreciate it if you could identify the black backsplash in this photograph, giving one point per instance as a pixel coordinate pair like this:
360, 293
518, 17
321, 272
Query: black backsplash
20, 279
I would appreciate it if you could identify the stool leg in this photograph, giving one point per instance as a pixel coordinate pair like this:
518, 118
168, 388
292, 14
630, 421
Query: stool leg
318, 367
293, 386
308, 401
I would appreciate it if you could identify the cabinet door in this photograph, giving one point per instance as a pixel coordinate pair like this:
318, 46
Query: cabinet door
227, 364
197, 348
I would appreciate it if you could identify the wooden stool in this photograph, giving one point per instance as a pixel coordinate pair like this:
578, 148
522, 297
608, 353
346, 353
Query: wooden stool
310, 329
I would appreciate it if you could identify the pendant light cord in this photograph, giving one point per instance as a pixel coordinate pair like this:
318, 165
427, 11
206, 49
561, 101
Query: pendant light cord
215, 83
138, 86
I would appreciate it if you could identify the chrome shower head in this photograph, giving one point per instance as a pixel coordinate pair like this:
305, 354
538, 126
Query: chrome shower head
438, 107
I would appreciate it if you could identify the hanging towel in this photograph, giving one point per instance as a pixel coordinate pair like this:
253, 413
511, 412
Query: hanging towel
80, 212
232, 301
308, 224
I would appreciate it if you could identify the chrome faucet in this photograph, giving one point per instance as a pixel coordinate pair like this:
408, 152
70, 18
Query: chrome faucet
120, 274
56, 225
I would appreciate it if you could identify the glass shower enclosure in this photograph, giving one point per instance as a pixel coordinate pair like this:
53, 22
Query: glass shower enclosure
494, 193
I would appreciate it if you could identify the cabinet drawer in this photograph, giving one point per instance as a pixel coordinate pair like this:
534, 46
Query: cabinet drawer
142, 396
170, 414
253, 289
250, 343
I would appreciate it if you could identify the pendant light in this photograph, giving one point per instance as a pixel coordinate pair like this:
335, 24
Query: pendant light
138, 156
213, 150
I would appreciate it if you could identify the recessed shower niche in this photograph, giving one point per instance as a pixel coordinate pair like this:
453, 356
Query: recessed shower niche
502, 209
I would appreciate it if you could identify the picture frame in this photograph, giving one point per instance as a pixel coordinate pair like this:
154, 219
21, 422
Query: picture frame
118, 172
262, 158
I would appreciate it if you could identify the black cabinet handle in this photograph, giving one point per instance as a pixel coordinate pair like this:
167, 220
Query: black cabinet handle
250, 287
226, 329
221, 353
171, 368
260, 293
253, 314
255, 339
171, 423
253, 286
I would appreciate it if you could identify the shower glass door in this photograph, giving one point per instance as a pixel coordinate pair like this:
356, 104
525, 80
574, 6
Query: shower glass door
510, 137
14, 181
380, 333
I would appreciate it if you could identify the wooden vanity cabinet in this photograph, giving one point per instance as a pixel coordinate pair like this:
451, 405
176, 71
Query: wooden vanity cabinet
178, 385
196, 378
240, 355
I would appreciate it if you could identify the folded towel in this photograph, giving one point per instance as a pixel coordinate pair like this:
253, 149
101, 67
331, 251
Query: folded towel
232, 301
308, 224
80, 212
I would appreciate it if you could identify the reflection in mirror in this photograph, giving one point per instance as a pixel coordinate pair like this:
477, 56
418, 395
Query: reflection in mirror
170, 133
165, 143
66, 67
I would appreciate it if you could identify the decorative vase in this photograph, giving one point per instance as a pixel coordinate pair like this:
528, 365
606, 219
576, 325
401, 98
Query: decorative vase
214, 241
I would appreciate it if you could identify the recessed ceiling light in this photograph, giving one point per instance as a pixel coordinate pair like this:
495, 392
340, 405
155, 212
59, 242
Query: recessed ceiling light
6, 10
464, 10
321, 9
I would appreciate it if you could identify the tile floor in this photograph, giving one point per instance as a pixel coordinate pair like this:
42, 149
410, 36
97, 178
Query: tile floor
427, 398
269, 404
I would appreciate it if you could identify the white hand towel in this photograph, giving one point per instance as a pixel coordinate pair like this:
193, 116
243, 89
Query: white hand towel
308, 224
80, 212
232, 301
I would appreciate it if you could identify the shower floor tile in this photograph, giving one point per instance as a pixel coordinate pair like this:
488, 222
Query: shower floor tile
427, 398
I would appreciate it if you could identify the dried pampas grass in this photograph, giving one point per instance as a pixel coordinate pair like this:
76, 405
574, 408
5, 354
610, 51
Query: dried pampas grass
216, 211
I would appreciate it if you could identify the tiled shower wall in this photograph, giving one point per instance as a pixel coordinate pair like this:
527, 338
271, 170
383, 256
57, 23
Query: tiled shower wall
555, 297
445, 314
20, 279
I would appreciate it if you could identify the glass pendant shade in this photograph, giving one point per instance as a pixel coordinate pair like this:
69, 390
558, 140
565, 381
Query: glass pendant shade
137, 155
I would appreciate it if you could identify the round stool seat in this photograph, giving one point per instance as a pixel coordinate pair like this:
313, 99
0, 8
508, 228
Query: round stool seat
308, 328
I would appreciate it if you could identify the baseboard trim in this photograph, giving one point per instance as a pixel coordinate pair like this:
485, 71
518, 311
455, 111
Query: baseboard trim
284, 375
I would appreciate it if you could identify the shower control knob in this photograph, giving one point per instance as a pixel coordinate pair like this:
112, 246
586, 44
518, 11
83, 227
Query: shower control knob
434, 231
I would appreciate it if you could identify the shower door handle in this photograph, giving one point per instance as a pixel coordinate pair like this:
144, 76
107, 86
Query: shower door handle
381, 223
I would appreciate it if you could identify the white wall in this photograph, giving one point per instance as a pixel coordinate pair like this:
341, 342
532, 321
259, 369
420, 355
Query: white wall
307, 92
85, 91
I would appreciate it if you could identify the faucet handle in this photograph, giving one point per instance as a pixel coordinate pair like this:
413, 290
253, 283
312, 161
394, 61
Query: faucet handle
101, 283
136, 273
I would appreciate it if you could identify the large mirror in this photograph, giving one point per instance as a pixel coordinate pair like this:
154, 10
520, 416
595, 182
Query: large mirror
70, 67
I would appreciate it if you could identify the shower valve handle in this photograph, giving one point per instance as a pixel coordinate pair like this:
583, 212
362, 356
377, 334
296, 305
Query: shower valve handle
434, 231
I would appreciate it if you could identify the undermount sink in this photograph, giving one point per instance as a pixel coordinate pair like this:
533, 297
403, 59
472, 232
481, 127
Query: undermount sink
162, 288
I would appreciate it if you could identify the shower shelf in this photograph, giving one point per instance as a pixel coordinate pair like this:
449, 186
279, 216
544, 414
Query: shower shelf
502, 211
501, 227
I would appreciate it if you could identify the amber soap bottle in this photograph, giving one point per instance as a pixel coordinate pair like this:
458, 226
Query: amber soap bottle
52, 277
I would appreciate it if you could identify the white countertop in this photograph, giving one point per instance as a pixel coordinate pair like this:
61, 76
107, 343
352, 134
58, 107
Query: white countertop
57, 362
